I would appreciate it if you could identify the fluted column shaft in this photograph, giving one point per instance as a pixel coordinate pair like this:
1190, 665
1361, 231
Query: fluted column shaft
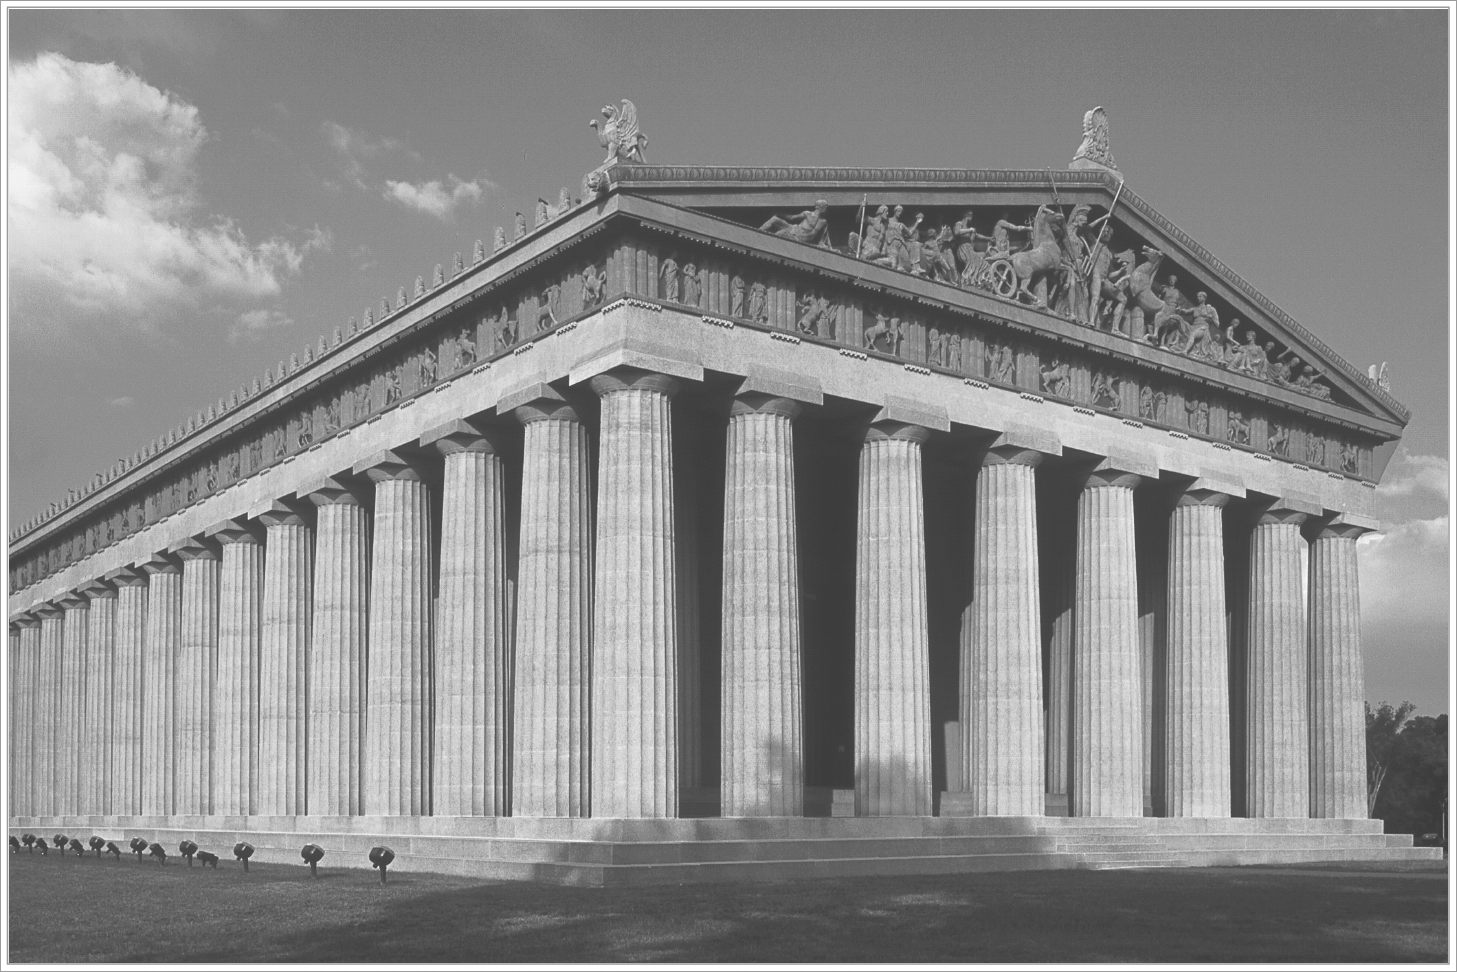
397, 720
128, 693
1197, 777
71, 745
164, 626
690, 704
762, 721
892, 681
196, 682
25, 730
1107, 763
240, 632
48, 729
1337, 677
634, 727
472, 772
1278, 765
338, 655
100, 645
283, 657
1059, 635
19, 729
1001, 648
550, 766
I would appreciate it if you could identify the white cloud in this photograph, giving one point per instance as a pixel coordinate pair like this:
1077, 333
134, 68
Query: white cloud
105, 216
251, 325
434, 198
125, 401
1404, 572
1419, 477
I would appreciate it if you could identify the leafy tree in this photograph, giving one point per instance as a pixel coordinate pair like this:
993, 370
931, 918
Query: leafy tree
1411, 784
1383, 729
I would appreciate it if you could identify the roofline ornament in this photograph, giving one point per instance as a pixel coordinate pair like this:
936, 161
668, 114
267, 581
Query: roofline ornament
1094, 152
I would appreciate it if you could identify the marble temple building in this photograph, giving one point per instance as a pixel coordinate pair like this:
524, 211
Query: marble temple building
980, 510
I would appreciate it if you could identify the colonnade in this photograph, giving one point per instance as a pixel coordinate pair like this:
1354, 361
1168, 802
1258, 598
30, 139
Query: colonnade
300, 661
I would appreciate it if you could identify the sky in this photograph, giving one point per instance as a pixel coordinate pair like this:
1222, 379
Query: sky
194, 195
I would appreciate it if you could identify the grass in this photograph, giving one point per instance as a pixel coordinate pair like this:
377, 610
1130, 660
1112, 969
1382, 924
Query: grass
84, 910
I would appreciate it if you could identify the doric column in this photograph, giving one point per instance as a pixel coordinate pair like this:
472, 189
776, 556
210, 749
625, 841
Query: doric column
1058, 528
338, 654
1278, 764
553, 612
1107, 763
1337, 674
71, 741
127, 690
240, 632
196, 683
1197, 776
472, 744
762, 720
397, 722
96, 731
1001, 645
634, 725
49, 687
283, 657
159, 664
892, 681
17, 748
24, 731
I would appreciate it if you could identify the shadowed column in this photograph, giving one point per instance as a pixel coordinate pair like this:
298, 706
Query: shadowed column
397, 720
338, 650
240, 633
196, 675
1278, 767
48, 709
1001, 648
690, 687
24, 716
128, 690
288, 569
553, 612
96, 730
71, 744
1107, 759
634, 725
159, 663
1337, 675
763, 708
892, 681
472, 740
1197, 776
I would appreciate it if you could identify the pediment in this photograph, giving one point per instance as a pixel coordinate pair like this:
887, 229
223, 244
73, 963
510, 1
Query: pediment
1282, 352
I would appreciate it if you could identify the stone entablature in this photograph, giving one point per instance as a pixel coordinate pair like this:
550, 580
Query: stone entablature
733, 275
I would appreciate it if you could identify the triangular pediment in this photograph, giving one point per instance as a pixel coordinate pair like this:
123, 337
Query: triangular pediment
1284, 353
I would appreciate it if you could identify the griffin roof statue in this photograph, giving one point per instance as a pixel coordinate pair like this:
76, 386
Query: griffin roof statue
620, 135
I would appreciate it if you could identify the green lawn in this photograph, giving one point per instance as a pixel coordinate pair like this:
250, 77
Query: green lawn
85, 910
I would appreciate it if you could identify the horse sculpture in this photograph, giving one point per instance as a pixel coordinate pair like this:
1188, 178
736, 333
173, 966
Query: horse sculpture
1140, 291
1034, 265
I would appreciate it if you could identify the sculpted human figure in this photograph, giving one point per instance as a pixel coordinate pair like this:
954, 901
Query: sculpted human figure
934, 348
668, 273
1278, 441
594, 282
1099, 262
545, 314
1105, 390
392, 384
505, 331
1001, 248
964, 235
897, 249
758, 302
811, 310
1169, 326
736, 296
465, 348
1237, 428
1314, 450
692, 289
1203, 328
1057, 379
954, 346
1072, 296
1145, 403
1279, 368
937, 260
872, 246
1350, 457
811, 227
427, 367
892, 331
1001, 365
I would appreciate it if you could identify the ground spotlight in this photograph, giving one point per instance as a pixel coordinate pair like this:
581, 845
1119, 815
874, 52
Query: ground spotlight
60, 841
138, 846
207, 857
187, 848
158, 851
44, 850
312, 853
78, 847
14, 844
243, 850
113, 850
29, 841
381, 857
96, 844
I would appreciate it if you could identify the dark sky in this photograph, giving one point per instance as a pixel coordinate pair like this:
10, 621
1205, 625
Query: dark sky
196, 194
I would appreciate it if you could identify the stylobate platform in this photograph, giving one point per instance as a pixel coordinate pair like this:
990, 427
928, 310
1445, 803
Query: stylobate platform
623, 851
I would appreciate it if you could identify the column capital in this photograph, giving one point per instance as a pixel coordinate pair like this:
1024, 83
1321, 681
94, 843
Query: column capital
196, 548
331, 491
904, 411
126, 577
98, 588
624, 378
1207, 491
1010, 455
754, 403
1118, 468
234, 531
771, 383
900, 431
461, 436
26, 620
1344, 526
49, 611
74, 601
159, 563
388, 465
